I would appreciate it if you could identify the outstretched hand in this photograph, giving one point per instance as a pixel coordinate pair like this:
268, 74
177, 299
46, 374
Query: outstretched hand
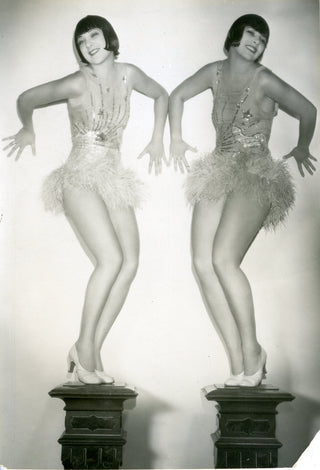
157, 154
178, 149
303, 159
19, 141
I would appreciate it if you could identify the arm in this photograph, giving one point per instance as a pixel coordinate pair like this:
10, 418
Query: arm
141, 83
192, 86
296, 105
42, 95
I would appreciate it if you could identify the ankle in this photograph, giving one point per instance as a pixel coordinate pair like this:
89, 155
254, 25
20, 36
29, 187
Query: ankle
85, 355
252, 350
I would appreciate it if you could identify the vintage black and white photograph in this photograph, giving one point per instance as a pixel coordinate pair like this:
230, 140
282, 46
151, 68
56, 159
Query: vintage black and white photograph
159, 234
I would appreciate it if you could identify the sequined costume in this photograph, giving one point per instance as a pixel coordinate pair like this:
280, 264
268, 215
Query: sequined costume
241, 161
97, 121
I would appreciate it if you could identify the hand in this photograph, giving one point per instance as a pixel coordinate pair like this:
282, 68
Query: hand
19, 141
303, 159
155, 150
178, 148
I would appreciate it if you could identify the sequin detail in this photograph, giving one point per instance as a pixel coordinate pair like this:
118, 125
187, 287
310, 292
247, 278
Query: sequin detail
241, 161
94, 164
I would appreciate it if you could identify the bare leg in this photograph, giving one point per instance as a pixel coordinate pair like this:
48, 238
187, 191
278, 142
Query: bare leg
241, 220
205, 220
125, 225
89, 216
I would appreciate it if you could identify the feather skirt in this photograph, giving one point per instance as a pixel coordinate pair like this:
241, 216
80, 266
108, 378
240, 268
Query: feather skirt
97, 169
217, 174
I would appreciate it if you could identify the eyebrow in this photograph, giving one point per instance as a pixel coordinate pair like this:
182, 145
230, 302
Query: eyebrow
262, 35
85, 32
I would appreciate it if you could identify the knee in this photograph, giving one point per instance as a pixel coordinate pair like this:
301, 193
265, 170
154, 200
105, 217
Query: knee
110, 263
223, 263
202, 268
129, 268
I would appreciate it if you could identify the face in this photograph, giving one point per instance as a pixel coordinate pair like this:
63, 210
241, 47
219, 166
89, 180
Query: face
252, 44
92, 46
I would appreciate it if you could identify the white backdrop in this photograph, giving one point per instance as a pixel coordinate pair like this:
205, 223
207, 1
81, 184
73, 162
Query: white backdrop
163, 341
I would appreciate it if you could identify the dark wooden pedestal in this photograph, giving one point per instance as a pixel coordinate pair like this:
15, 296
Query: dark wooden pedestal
247, 424
93, 436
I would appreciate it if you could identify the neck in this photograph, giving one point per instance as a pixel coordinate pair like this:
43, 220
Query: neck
239, 64
103, 69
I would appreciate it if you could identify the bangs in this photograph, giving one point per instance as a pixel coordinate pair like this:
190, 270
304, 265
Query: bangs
259, 24
87, 23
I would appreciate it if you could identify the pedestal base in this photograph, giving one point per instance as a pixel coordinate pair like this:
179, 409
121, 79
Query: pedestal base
247, 424
93, 436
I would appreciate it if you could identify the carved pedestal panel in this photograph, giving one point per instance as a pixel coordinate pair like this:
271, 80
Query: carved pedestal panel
93, 436
247, 425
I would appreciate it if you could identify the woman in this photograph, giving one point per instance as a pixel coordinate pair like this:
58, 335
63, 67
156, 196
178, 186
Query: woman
92, 188
238, 188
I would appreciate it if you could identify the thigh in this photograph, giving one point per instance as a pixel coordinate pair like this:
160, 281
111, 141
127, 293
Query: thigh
126, 228
205, 220
89, 217
241, 219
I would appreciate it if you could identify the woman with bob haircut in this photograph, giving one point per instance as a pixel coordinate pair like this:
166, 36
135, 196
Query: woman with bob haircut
238, 188
92, 188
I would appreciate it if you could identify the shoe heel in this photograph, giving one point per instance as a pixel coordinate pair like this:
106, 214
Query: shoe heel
71, 364
71, 374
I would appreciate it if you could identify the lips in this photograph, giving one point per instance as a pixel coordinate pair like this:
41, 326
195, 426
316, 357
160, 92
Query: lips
252, 49
93, 51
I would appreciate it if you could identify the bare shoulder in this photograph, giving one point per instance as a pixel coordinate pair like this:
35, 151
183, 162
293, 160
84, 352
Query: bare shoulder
77, 81
129, 69
134, 74
210, 69
69, 86
208, 73
267, 78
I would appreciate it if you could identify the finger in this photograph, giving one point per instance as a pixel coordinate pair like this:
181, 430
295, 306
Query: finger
186, 163
18, 154
309, 170
192, 149
286, 157
313, 158
150, 166
156, 167
12, 150
33, 148
175, 162
9, 145
141, 154
8, 138
181, 166
300, 169
311, 165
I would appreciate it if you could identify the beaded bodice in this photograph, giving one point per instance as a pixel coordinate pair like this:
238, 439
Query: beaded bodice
101, 115
239, 123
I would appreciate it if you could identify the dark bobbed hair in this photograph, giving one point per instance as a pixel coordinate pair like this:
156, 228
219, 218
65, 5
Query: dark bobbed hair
236, 31
91, 22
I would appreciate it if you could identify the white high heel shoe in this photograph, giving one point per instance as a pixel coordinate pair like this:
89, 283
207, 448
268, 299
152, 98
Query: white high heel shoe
85, 376
105, 379
234, 380
255, 379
